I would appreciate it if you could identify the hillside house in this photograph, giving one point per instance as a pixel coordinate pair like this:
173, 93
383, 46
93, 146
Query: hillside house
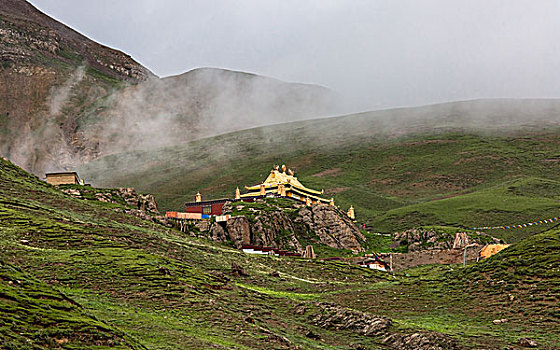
375, 264
206, 208
64, 178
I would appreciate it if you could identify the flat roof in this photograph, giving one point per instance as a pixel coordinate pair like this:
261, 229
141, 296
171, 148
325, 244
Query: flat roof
210, 201
63, 173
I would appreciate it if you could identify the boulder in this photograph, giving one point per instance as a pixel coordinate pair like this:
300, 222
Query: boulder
527, 343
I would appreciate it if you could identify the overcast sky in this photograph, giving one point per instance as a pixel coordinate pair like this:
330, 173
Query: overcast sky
380, 53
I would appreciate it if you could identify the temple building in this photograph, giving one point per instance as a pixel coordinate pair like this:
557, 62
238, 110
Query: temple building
281, 182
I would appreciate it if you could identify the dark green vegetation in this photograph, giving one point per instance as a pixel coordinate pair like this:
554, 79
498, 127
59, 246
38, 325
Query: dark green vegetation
117, 281
396, 175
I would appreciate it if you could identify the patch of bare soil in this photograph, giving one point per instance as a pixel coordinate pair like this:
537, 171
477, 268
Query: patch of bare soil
328, 172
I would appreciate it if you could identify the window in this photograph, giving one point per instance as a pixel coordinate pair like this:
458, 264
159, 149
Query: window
207, 209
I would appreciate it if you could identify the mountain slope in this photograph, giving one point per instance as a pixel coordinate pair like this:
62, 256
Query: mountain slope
377, 162
83, 274
65, 99
48, 74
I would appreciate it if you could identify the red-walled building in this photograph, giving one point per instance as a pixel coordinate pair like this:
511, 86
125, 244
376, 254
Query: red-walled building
210, 207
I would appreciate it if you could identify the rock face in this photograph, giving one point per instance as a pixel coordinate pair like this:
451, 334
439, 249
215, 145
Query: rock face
143, 202
333, 228
527, 343
420, 239
422, 247
284, 225
128, 196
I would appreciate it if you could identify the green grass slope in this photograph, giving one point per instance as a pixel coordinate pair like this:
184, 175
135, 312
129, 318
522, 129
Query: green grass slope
395, 177
85, 276
131, 279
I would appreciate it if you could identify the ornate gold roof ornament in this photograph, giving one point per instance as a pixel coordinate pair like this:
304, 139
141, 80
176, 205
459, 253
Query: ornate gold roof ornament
331, 203
290, 172
351, 213
263, 190
276, 167
308, 201
284, 168
198, 197
237, 193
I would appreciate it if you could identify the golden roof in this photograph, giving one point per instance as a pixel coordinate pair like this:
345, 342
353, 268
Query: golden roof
281, 176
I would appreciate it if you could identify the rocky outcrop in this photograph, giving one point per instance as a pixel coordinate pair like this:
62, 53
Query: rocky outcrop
239, 231
336, 317
143, 202
333, 316
527, 343
333, 228
283, 225
421, 341
268, 229
127, 196
422, 239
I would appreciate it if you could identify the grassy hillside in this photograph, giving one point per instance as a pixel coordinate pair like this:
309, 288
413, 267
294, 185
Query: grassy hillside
78, 274
396, 177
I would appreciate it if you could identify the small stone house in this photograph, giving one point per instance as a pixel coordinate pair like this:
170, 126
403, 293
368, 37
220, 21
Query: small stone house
64, 178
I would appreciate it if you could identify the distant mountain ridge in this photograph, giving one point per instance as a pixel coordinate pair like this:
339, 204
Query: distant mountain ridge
24, 25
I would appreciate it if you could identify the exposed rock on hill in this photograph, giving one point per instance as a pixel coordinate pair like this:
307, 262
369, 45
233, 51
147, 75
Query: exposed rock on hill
333, 316
336, 317
421, 341
287, 225
140, 205
333, 227
127, 196
431, 239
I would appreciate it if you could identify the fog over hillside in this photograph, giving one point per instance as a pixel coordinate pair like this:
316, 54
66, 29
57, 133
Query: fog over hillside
66, 99
201, 103
280, 141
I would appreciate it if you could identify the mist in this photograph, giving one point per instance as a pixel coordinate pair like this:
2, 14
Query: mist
60, 94
344, 57
202, 103
378, 54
